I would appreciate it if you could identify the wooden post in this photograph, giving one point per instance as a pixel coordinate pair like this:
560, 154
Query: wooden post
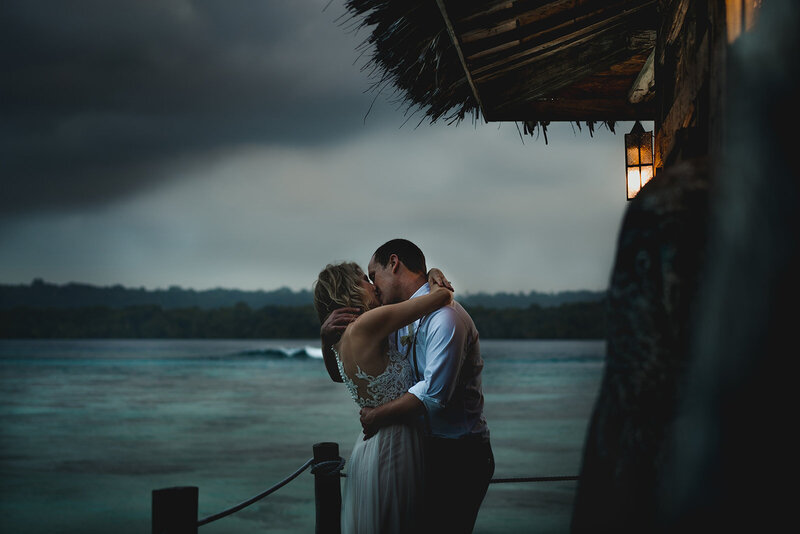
175, 510
327, 491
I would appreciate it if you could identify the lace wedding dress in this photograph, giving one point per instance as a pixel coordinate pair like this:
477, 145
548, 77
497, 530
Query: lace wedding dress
383, 487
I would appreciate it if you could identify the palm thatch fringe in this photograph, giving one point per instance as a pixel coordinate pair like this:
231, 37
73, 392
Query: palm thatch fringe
412, 55
534, 127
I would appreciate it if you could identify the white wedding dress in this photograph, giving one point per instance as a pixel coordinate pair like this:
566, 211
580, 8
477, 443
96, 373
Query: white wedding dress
383, 488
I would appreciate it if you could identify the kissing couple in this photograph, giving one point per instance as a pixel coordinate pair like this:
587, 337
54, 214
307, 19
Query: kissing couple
410, 357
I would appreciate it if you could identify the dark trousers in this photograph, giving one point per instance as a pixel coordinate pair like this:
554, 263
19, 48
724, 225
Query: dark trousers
457, 474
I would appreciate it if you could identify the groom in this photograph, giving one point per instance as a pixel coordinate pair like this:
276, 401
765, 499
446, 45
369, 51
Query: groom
447, 396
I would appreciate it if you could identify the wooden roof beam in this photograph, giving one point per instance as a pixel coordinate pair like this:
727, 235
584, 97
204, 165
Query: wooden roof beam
536, 18
643, 88
541, 77
571, 33
566, 110
457, 45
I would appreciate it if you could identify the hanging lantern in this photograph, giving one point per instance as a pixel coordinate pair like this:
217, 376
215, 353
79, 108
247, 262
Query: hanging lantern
638, 159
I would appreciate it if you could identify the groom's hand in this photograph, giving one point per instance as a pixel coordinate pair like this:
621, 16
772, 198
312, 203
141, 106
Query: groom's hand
403, 408
368, 422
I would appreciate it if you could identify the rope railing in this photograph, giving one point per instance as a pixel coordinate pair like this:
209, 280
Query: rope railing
329, 468
248, 502
531, 479
175, 509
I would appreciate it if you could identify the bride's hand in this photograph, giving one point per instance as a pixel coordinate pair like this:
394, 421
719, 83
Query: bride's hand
447, 294
336, 323
436, 277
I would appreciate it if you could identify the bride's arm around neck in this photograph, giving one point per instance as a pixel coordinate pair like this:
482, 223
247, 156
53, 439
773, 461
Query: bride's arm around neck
378, 323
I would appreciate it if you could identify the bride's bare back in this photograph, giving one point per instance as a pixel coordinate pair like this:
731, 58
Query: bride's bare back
371, 390
372, 370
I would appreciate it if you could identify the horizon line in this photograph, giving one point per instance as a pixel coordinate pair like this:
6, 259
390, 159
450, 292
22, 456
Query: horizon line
285, 287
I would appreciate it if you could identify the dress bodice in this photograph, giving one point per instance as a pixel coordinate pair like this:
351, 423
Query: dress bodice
371, 391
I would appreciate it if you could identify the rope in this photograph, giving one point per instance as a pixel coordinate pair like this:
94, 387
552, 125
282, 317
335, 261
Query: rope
333, 468
329, 468
531, 479
258, 497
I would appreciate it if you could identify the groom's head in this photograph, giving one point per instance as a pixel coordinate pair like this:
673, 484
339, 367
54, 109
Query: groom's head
397, 269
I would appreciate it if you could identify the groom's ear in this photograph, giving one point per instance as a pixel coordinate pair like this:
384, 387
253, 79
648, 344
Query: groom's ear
394, 263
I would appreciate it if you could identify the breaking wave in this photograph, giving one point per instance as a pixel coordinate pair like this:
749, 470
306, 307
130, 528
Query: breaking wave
283, 352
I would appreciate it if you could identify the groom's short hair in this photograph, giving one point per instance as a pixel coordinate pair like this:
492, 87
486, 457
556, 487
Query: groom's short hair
409, 253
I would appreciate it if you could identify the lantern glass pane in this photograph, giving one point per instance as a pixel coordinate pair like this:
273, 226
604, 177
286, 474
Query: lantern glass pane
647, 173
647, 149
631, 155
634, 181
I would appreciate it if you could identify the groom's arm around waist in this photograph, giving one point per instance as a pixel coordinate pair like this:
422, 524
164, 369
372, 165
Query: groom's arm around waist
399, 410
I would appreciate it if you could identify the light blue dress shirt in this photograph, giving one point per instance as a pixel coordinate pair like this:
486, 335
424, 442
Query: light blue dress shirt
449, 365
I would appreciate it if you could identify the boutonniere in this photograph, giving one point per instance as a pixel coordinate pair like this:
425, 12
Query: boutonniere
406, 339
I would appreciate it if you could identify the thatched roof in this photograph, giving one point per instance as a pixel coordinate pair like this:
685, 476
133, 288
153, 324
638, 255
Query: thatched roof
529, 61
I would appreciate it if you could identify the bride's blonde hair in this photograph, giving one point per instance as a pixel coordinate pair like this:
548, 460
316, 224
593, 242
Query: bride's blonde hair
339, 286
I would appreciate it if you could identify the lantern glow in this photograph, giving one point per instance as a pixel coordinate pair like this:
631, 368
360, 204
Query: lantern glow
741, 16
638, 159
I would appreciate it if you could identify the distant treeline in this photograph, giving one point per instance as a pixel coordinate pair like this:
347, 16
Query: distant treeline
568, 321
41, 294
579, 320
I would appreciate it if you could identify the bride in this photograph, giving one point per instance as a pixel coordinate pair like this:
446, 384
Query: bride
383, 487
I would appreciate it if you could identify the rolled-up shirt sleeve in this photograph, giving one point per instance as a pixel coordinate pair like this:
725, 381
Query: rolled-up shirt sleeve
444, 353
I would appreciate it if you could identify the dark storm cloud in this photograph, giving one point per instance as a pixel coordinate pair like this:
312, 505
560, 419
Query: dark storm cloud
97, 95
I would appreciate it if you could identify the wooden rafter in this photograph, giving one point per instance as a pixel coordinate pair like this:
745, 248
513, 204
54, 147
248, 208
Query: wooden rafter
518, 54
457, 45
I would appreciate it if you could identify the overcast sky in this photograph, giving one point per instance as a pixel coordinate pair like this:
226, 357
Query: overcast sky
228, 144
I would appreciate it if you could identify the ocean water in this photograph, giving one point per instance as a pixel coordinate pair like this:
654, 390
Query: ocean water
88, 428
